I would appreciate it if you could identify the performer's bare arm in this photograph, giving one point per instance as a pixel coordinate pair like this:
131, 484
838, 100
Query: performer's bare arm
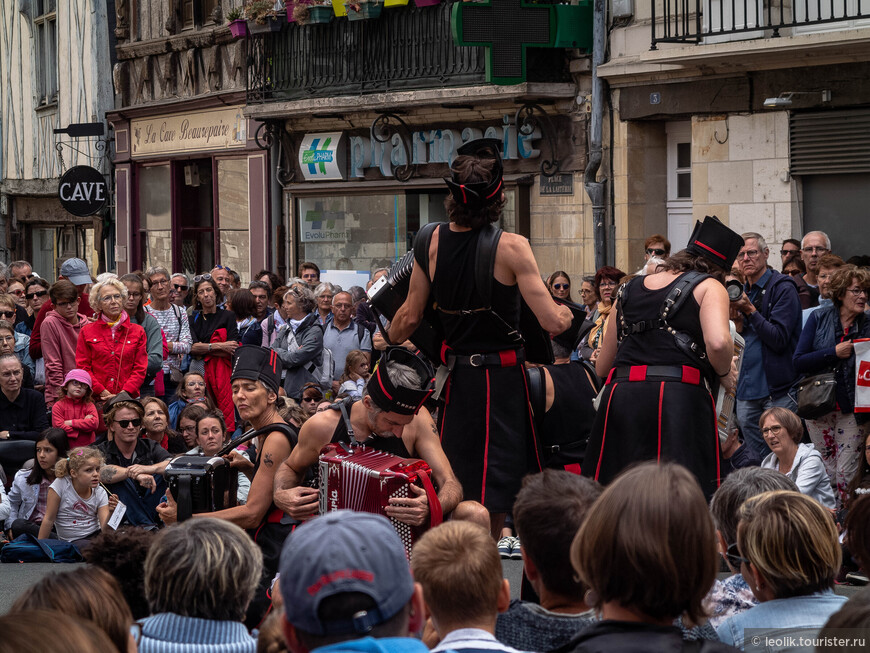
514, 260
408, 317
302, 502
713, 300
424, 443
607, 354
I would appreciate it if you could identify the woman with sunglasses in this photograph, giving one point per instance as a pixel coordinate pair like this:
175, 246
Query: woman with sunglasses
559, 285
35, 295
21, 346
60, 335
788, 553
112, 349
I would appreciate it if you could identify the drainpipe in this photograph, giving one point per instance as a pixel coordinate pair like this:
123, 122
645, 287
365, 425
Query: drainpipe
596, 190
276, 201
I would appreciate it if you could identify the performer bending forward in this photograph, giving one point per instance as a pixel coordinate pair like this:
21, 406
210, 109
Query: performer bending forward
657, 404
485, 424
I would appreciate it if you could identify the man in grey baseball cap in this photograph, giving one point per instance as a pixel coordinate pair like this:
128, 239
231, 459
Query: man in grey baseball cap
74, 270
347, 586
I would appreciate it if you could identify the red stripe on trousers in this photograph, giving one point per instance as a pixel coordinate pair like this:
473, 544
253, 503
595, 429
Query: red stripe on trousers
532, 422
604, 432
486, 446
661, 399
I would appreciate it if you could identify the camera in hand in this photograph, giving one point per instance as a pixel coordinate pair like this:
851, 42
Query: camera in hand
735, 289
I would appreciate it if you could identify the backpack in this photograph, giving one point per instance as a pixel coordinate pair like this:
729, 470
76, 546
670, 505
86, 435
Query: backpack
27, 548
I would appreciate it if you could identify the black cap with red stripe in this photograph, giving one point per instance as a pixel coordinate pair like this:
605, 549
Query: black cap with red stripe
715, 242
257, 364
399, 399
479, 194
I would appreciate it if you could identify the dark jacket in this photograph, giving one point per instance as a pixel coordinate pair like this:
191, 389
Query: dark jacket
816, 351
26, 417
300, 359
778, 326
630, 637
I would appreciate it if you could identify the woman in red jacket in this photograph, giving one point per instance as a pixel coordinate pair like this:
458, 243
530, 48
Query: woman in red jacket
112, 349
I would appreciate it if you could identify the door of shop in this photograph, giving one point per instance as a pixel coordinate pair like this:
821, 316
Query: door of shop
194, 249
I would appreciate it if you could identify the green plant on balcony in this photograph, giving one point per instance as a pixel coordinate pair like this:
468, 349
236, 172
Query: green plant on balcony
234, 14
261, 11
360, 9
308, 12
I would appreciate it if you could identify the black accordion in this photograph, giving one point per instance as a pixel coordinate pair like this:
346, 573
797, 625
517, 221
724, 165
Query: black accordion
388, 294
201, 484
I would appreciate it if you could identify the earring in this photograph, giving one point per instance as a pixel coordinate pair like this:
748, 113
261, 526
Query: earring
591, 598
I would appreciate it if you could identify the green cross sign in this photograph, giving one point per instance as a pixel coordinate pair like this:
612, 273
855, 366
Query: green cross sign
508, 27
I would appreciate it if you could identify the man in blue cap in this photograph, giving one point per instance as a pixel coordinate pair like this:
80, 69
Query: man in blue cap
347, 586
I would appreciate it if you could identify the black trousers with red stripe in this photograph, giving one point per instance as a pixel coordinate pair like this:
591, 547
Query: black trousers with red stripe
655, 419
487, 434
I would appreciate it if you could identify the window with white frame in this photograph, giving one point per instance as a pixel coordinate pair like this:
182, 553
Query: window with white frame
45, 50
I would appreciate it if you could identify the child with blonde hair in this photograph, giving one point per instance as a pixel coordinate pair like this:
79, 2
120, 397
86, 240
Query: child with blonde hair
77, 506
356, 373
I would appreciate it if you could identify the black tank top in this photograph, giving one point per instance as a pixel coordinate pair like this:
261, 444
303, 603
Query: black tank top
656, 346
571, 415
391, 445
454, 289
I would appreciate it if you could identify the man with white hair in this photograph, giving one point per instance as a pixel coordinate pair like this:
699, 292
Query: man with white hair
814, 245
769, 319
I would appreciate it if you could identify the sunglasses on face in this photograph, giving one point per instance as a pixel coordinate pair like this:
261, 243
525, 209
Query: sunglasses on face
201, 277
34, 295
7, 313
655, 251
734, 557
311, 398
562, 286
177, 287
125, 423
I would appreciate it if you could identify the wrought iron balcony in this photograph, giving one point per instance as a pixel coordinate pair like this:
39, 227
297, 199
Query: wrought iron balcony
406, 48
711, 21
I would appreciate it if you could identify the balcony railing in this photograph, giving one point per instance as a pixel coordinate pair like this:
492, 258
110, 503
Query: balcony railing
709, 21
406, 48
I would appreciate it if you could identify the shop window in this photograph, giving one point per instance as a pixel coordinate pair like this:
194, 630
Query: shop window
233, 218
367, 232
45, 49
155, 216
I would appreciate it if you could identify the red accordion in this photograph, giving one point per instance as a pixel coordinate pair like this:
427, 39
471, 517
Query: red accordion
358, 478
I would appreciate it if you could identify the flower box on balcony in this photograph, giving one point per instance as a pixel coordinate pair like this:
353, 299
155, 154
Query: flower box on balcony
306, 13
272, 24
363, 10
239, 28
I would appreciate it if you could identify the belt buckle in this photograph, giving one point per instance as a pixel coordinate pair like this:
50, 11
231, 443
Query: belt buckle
476, 360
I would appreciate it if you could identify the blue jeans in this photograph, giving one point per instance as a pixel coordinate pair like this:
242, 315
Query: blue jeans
141, 503
749, 412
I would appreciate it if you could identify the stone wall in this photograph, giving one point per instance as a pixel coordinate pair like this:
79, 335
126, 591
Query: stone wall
745, 181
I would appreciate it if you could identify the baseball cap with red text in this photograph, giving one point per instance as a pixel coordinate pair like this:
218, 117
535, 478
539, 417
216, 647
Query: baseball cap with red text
339, 552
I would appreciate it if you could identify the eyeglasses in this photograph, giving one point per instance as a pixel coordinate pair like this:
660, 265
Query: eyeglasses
655, 251
134, 295
66, 305
125, 423
789, 252
311, 398
732, 553
34, 295
749, 253
857, 292
776, 428
177, 287
562, 286
201, 277
607, 283
159, 282
7, 313
813, 250
110, 298
794, 272
17, 293
221, 267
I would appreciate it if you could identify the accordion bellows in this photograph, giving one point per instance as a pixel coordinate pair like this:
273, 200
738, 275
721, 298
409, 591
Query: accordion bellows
363, 479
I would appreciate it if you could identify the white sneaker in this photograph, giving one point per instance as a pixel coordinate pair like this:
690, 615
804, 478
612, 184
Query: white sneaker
505, 545
516, 549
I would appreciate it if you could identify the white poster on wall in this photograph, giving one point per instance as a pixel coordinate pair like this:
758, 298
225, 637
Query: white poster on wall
345, 278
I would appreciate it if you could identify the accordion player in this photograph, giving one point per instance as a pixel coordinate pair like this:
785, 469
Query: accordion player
358, 478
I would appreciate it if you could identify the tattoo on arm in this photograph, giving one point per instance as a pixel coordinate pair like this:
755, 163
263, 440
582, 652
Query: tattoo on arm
435, 431
267, 460
107, 473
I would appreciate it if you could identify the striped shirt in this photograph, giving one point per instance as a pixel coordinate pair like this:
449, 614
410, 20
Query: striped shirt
173, 321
